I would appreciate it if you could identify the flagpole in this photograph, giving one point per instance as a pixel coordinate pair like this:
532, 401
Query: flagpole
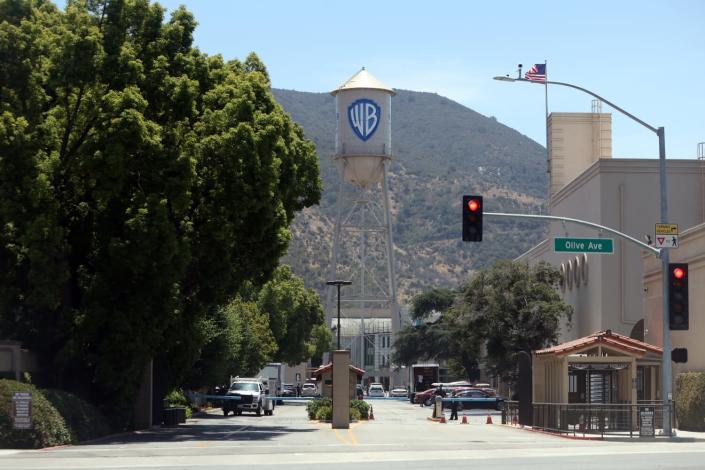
548, 150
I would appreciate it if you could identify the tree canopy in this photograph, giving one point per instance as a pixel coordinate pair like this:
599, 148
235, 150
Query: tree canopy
502, 310
142, 182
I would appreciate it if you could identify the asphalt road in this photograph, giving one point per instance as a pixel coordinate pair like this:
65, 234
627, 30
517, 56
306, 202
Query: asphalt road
401, 437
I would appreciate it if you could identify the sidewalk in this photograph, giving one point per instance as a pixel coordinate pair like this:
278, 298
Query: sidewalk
680, 436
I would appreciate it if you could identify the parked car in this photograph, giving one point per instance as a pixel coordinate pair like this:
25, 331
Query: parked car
288, 390
398, 392
309, 390
375, 390
425, 397
480, 399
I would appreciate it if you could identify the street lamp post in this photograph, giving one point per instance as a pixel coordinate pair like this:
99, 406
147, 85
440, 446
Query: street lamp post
660, 132
339, 283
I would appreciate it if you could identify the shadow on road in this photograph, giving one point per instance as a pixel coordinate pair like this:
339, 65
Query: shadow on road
242, 430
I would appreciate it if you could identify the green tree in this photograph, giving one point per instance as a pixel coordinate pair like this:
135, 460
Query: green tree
295, 317
142, 182
513, 307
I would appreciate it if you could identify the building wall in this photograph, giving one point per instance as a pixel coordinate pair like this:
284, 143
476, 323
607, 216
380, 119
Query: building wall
577, 140
691, 250
622, 194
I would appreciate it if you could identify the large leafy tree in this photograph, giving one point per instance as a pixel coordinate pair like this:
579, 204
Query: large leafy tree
142, 182
295, 317
514, 308
502, 310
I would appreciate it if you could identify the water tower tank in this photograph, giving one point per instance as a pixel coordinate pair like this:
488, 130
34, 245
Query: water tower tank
363, 137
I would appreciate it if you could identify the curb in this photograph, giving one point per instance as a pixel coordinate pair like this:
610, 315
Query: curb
555, 434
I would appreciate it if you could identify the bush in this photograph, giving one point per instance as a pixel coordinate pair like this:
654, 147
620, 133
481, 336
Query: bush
48, 426
324, 413
177, 398
362, 407
83, 420
690, 401
313, 406
322, 409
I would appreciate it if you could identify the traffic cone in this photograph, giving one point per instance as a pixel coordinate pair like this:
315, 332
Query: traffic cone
372, 414
465, 420
443, 419
489, 419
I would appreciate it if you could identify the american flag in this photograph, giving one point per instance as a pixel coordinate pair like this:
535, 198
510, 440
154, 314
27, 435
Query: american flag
537, 73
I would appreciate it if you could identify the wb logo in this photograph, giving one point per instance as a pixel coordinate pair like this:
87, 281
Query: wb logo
364, 116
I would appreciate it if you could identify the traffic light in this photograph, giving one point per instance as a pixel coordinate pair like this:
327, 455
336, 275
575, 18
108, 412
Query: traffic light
678, 296
679, 355
472, 218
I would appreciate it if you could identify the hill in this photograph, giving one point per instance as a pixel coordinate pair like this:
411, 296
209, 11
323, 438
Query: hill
442, 150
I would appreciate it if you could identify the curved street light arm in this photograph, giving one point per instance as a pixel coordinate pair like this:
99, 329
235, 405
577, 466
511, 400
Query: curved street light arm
643, 245
569, 85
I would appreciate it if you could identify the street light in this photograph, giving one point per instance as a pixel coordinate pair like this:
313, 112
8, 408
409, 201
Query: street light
339, 283
660, 132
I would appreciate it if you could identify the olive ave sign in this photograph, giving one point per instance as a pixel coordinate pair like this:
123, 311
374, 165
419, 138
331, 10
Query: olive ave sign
583, 245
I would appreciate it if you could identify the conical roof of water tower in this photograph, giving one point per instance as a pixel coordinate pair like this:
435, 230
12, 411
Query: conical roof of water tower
363, 79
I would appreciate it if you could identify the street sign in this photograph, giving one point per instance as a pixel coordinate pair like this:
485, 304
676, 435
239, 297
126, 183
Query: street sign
666, 241
22, 410
583, 245
666, 229
666, 236
646, 422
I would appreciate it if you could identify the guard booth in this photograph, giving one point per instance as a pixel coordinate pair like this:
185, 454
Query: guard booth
595, 383
324, 376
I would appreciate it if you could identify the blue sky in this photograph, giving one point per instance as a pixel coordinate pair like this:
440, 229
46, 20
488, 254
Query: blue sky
646, 56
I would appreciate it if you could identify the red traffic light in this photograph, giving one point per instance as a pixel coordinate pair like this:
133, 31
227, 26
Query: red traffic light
473, 205
679, 273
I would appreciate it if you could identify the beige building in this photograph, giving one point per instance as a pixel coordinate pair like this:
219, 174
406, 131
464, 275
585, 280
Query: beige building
607, 290
691, 250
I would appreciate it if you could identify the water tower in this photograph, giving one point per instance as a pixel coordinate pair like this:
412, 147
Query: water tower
363, 248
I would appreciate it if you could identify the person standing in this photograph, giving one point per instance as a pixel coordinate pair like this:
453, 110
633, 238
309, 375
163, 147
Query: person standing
454, 410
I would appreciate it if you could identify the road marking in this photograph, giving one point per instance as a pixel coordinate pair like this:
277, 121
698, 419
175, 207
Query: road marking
244, 428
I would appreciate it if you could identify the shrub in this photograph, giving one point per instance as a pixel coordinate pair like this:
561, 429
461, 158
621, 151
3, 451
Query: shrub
324, 413
354, 414
362, 407
48, 426
313, 406
690, 401
177, 398
83, 420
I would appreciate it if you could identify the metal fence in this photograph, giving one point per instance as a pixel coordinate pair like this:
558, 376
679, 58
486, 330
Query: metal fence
598, 418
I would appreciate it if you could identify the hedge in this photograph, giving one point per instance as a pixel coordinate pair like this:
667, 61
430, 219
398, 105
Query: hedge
690, 401
322, 409
48, 426
83, 420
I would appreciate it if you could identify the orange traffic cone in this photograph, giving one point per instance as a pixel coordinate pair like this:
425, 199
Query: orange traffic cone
489, 419
443, 419
372, 414
465, 420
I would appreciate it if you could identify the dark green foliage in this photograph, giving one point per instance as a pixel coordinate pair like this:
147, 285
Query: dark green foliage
142, 182
504, 309
313, 406
322, 409
84, 421
49, 427
362, 408
436, 300
177, 398
690, 401
513, 308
